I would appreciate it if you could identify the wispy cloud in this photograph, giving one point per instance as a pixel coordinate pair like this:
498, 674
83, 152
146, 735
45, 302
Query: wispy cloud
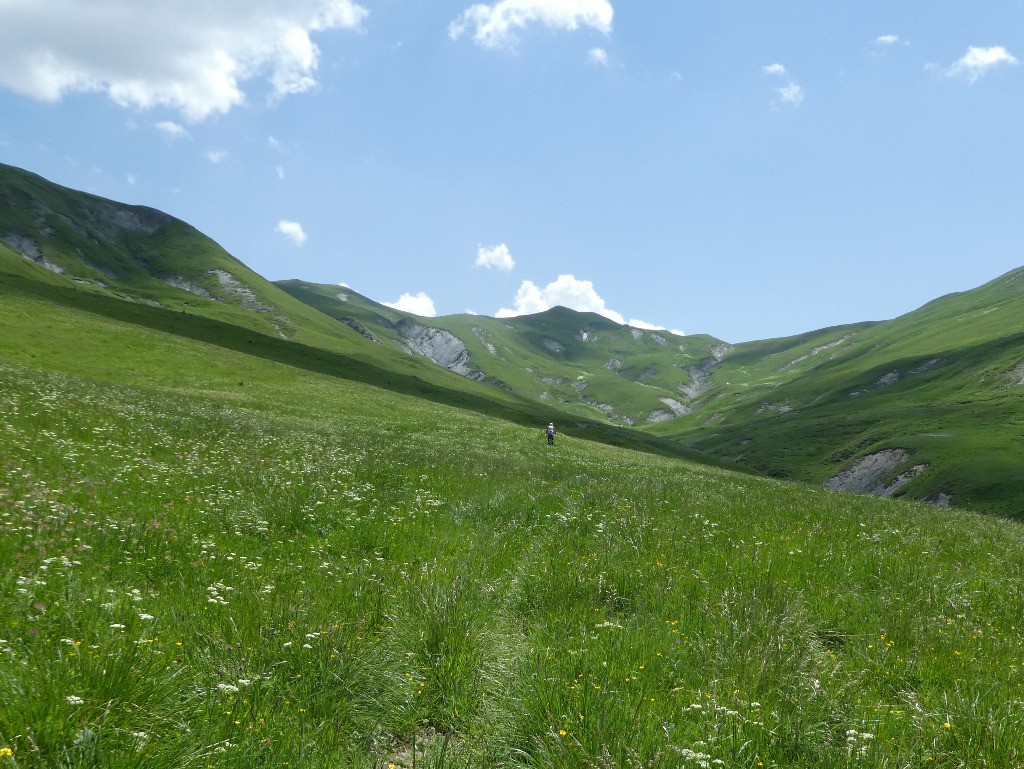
292, 230
495, 258
790, 93
193, 56
217, 156
887, 41
418, 304
978, 61
498, 25
171, 129
598, 57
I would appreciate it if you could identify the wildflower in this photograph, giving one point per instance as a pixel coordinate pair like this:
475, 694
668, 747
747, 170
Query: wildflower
146, 616
6, 752
73, 699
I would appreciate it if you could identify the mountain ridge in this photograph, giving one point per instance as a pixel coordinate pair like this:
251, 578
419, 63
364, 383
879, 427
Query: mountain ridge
809, 407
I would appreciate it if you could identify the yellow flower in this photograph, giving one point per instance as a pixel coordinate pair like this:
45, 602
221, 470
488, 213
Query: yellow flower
6, 752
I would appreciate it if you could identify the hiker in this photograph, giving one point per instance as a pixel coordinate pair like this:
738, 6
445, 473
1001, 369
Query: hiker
550, 432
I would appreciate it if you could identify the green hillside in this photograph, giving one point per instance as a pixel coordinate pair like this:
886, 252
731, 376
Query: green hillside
219, 557
581, 363
926, 407
944, 384
137, 265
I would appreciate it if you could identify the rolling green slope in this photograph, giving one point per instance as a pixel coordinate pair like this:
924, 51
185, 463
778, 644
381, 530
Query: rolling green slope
220, 555
927, 406
944, 383
140, 266
581, 363
144, 256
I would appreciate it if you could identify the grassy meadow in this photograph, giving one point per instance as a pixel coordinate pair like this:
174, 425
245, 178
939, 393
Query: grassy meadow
213, 560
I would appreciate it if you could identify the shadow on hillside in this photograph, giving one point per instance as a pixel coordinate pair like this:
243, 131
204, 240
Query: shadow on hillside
202, 329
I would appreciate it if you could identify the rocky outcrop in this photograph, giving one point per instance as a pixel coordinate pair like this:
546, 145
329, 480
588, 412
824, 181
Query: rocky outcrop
180, 281
29, 248
1016, 374
235, 288
700, 373
893, 377
817, 351
675, 409
360, 329
442, 347
873, 474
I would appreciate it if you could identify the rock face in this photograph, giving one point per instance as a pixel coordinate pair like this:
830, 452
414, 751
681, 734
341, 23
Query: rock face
236, 288
442, 347
868, 474
700, 374
180, 281
360, 329
28, 248
1016, 374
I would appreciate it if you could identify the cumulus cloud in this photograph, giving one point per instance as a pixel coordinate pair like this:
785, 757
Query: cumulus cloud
790, 93
193, 56
598, 56
419, 304
978, 61
568, 291
497, 25
565, 291
495, 258
292, 230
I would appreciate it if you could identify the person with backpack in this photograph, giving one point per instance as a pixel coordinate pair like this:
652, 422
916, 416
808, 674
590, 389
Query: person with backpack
550, 432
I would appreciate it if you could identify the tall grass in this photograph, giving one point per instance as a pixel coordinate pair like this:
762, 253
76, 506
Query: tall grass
318, 574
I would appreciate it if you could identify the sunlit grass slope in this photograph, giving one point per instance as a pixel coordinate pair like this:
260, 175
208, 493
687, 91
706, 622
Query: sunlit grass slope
945, 382
579, 362
215, 559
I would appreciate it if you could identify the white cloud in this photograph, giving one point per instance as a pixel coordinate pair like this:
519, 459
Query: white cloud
495, 257
279, 170
977, 61
885, 41
171, 130
644, 325
565, 291
420, 304
496, 25
293, 231
217, 156
790, 94
598, 56
193, 56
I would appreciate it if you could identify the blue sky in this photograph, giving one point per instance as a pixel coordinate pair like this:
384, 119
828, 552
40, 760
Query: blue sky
744, 169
